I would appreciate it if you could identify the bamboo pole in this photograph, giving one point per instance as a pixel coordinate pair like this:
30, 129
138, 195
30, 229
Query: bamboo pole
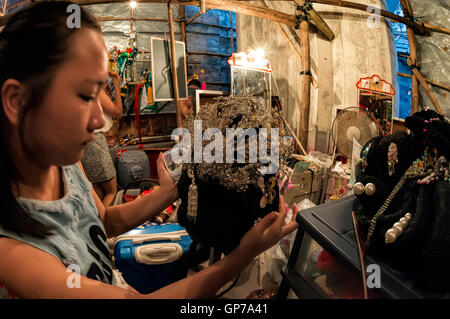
4, 6
273, 15
407, 11
291, 44
316, 18
183, 32
174, 65
202, 6
183, 23
108, 18
305, 82
229, 5
434, 83
208, 53
436, 28
196, 16
425, 85
293, 134
132, 21
231, 33
417, 27
249, 9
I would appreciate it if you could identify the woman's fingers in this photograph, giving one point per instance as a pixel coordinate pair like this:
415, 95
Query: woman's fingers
289, 228
281, 205
294, 212
292, 225
267, 221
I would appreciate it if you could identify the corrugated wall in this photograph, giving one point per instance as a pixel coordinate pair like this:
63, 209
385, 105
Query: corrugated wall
434, 51
357, 51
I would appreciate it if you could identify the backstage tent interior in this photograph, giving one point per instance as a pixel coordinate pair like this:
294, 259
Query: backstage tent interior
340, 73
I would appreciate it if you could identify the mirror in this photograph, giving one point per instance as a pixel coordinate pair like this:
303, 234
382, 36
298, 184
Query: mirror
377, 97
251, 75
251, 82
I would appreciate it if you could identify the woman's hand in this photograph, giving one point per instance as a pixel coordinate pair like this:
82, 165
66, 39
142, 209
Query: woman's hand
165, 180
269, 231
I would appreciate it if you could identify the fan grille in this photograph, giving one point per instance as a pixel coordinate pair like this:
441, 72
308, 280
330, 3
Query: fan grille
352, 123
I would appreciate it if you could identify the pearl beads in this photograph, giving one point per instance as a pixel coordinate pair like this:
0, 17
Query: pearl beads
369, 189
390, 237
397, 229
358, 188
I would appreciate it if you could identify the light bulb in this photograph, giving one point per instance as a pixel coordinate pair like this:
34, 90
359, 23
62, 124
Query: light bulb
133, 4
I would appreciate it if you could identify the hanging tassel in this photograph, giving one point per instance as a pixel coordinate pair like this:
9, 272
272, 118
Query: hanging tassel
136, 112
192, 197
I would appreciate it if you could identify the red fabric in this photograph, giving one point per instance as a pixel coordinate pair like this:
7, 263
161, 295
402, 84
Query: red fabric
347, 284
136, 112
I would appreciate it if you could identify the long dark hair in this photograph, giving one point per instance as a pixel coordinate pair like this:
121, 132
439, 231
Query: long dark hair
33, 44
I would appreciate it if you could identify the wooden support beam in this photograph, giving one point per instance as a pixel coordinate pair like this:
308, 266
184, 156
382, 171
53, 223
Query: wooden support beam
203, 6
305, 82
407, 12
132, 21
434, 83
109, 18
293, 134
436, 28
183, 24
231, 33
316, 18
196, 16
417, 27
183, 31
174, 65
291, 45
425, 85
248, 9
208, 53
4, 6
242, 7
229, 5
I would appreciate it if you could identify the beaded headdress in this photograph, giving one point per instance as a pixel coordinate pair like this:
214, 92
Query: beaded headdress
239, 112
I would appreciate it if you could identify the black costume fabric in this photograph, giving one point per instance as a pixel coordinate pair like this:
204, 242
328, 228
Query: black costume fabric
224, 215
424, 246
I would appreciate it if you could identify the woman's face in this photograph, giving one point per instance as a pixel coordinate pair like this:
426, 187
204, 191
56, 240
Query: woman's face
57, 131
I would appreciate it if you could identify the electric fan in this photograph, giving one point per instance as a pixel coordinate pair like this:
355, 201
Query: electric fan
349, 123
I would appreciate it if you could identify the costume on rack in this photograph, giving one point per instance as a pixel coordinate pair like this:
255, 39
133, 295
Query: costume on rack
222, 201
406, 212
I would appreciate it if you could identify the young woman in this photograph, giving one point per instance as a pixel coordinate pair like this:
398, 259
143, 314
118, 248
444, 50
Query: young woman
51, 220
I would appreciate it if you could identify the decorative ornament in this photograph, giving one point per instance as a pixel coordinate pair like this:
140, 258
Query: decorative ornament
392, 158
369, 189
358, 188
385, 205
192, 196
397, 229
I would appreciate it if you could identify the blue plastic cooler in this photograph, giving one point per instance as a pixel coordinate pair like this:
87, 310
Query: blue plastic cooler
150, 256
